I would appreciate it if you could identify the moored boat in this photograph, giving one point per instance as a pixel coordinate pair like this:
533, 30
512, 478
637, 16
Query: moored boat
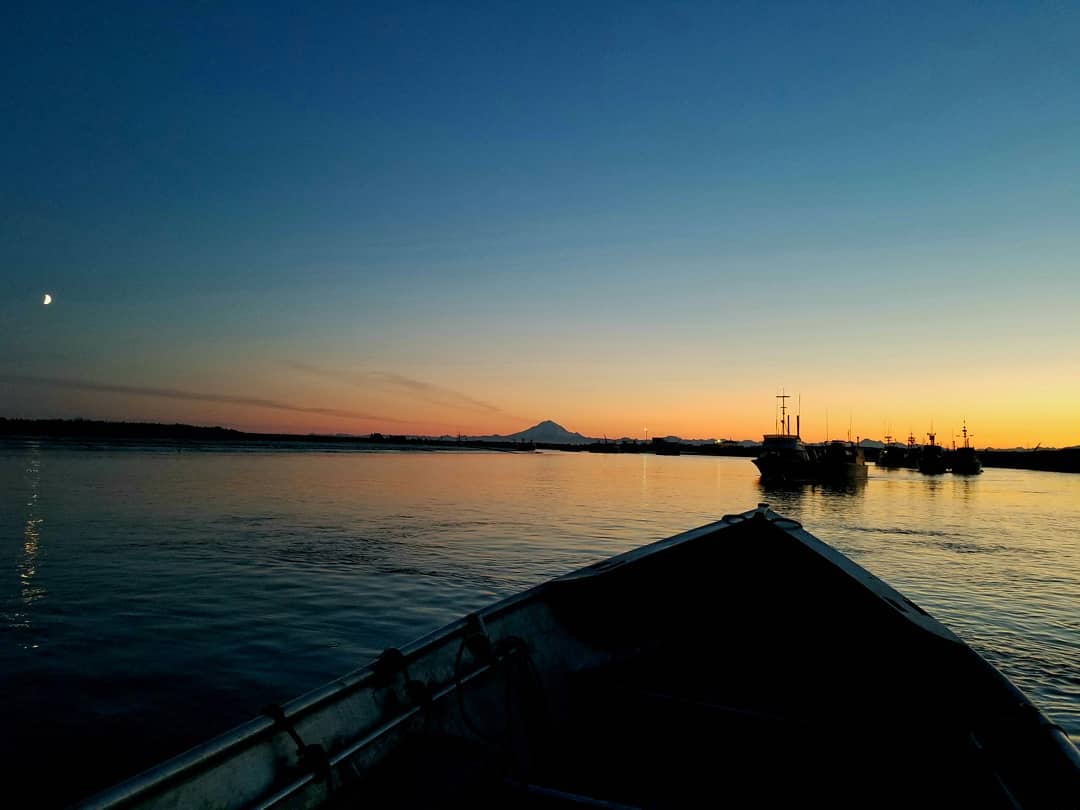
763, 668
840, 461
911, 453
932, 457
964, 460
892, 455
784, 458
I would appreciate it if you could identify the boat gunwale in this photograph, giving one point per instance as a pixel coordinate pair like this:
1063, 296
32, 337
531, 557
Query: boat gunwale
250, 733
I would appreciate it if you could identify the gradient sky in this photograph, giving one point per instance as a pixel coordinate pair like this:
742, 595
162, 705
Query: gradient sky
461, 217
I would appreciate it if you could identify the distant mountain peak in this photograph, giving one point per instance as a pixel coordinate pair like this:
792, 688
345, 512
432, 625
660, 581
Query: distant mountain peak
547, 431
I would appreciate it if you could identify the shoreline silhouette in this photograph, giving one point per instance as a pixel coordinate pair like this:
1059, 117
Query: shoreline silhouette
91, 430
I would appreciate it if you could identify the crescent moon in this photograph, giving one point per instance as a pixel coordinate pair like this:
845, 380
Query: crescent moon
47, 300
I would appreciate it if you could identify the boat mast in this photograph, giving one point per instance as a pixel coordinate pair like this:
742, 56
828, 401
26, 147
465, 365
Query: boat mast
783, 413
966, 435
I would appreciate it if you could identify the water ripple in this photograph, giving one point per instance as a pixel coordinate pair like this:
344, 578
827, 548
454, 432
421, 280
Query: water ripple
142, 584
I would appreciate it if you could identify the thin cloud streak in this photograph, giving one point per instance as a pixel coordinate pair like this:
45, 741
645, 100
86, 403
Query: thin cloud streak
434, 394
190, 396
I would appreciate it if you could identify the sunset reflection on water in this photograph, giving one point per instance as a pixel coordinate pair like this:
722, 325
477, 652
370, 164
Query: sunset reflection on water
226, 579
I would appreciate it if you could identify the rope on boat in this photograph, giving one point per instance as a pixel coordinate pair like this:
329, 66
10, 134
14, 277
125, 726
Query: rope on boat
386, 668
312, 758
477, 641
513, 654
388, 665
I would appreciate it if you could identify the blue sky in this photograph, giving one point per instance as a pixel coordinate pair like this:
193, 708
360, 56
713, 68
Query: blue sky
505, 200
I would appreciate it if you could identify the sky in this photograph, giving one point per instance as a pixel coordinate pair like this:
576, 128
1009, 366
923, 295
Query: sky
443, 218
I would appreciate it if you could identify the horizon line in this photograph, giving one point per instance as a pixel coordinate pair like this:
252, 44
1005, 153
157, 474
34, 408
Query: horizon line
459, 436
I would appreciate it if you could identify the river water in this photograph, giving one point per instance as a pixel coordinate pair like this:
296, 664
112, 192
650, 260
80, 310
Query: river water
152, 598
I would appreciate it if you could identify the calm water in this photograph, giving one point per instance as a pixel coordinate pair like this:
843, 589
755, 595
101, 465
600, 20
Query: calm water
152, 598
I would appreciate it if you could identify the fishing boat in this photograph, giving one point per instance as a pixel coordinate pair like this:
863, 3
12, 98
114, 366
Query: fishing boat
964, 460
784, 458
911, 453
744, 662
841, 461
932, 457
893, 454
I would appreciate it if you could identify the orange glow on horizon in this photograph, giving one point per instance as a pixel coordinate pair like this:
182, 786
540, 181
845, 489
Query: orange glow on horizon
994, 427
1005, 409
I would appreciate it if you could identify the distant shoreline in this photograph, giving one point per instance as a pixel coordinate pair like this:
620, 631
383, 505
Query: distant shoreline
87, 430
179, 435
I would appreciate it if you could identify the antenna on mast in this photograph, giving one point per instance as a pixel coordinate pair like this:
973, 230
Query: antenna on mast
785, 423
967, 435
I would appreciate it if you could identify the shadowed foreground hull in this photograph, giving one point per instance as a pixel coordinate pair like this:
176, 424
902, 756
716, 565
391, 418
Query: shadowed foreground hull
744, 662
